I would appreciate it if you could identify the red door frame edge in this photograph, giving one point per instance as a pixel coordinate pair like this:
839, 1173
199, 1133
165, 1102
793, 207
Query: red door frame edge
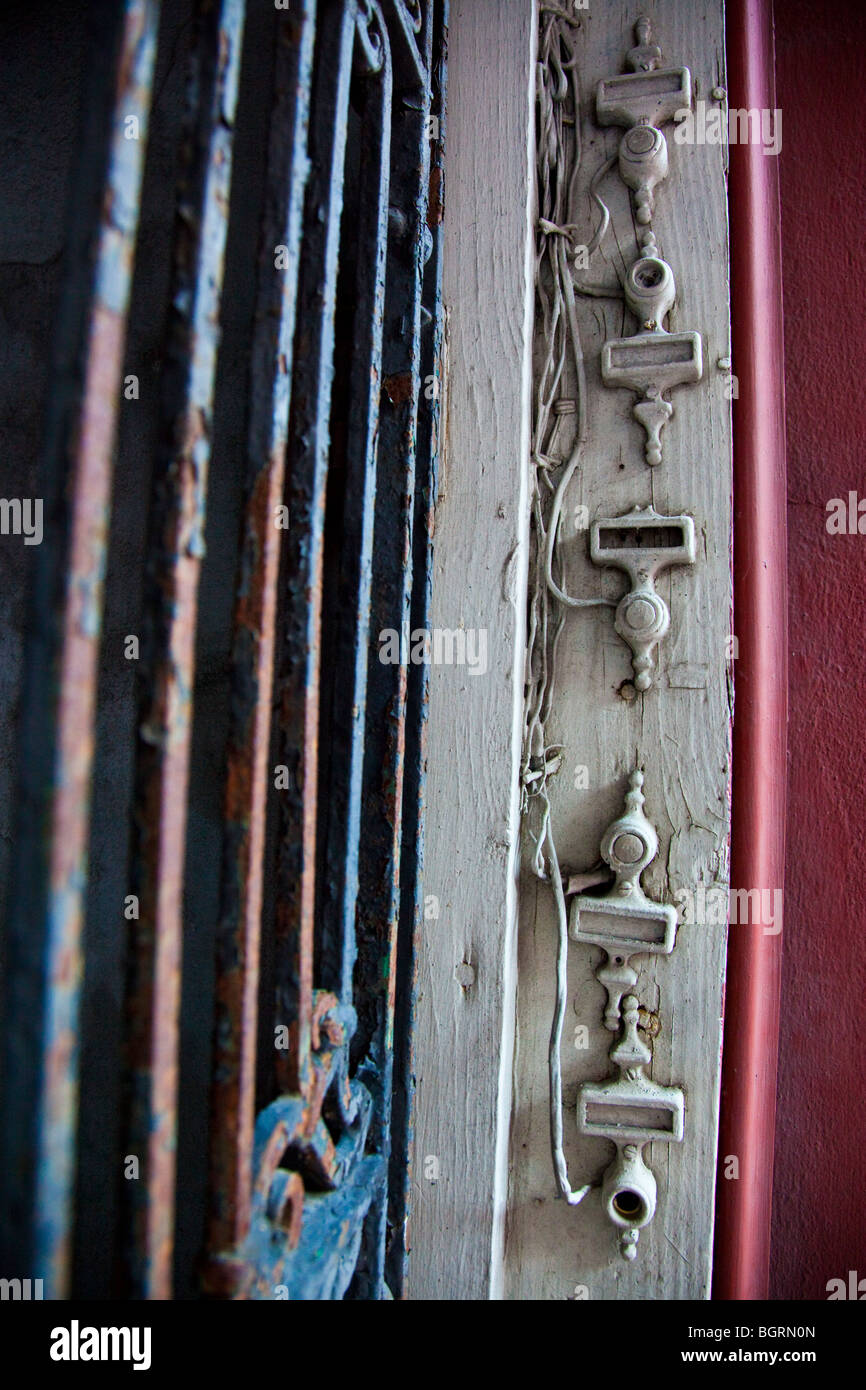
751, 1038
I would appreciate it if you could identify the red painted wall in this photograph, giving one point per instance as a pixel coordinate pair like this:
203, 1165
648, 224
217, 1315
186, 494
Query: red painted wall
819, 1201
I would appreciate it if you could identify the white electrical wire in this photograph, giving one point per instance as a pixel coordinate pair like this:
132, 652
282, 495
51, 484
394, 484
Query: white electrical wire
558, 158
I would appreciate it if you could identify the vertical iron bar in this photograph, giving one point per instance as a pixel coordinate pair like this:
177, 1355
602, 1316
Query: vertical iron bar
309, 435
392, 591
337, 943
44, 963
177, 531
248, 777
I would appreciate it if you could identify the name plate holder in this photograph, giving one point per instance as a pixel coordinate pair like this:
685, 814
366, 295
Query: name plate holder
630, 1110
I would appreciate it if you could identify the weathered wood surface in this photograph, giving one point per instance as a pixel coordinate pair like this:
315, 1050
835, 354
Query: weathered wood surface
679, 730
466, 985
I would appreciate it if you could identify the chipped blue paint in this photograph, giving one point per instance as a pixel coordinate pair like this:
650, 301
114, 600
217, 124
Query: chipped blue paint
44, 964
308, 1201
385, 536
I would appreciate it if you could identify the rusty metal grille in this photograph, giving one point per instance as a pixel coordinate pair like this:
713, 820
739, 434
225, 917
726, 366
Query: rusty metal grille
214, 785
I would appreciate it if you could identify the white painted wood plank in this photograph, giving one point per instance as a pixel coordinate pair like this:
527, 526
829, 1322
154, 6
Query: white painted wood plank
679, 730
464, 1039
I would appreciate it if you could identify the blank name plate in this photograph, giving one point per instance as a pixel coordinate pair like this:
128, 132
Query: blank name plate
652, 359
643, 96
625, 927
631, 1112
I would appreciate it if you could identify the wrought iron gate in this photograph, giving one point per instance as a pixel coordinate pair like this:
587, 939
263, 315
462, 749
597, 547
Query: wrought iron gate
241, 433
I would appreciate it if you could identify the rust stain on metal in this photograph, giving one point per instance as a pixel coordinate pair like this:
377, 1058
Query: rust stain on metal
399, 388
165, 728
435, 205
69, 816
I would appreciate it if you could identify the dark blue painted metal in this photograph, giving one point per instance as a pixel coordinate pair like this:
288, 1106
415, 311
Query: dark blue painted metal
248, 776
44, 964
298, 670
353, 509
330, 1129
176, 549
379, 905
320, 867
